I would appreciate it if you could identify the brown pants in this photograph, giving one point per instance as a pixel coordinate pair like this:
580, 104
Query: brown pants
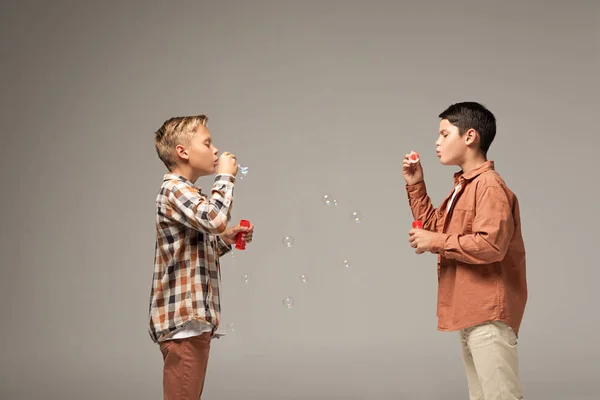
185, 366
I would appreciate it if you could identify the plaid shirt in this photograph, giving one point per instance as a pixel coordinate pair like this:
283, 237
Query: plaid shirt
185, 285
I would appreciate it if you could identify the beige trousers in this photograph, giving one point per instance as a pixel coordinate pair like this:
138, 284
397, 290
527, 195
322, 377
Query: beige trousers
491, 360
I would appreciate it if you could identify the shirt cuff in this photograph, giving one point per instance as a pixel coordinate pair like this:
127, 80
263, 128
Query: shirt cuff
224, 178
417, 190
437, 247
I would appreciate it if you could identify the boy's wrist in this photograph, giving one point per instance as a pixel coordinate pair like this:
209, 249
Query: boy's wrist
415, 183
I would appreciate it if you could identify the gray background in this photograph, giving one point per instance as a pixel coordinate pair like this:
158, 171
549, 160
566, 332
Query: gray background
315, 97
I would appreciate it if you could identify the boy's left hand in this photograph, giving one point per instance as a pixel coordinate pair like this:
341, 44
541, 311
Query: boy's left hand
229, 236
421, 240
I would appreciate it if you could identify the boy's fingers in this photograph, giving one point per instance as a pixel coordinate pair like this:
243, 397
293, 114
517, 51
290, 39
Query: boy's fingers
246, 228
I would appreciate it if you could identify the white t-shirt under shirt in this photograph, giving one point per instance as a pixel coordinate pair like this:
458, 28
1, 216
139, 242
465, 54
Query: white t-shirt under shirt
456, 189
192, 328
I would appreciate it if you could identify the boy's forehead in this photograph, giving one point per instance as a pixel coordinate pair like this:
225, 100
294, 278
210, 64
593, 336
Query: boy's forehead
202, 132
445, 125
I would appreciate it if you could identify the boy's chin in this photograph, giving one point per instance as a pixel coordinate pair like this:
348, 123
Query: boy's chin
447, 162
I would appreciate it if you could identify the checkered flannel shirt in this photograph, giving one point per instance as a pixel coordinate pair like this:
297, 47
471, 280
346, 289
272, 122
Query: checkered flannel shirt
185, 284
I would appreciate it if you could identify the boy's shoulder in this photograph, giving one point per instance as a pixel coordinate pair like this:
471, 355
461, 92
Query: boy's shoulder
492, 179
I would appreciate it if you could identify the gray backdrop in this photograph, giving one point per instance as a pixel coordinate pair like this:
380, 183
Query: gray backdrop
314, 97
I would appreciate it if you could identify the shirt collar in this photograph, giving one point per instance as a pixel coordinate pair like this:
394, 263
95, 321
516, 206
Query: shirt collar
460, 177
170, 176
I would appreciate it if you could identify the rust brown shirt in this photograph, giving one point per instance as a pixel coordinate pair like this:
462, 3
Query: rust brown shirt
481, 254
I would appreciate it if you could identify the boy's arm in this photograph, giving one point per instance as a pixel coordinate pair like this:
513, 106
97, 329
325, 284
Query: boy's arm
493, 229
194, 211
420, 205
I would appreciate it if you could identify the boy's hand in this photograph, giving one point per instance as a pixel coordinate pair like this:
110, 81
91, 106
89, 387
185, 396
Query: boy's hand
227, 164
421, 240
413, 172
229, 236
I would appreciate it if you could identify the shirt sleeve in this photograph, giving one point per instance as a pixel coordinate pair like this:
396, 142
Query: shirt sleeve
421, 206
222, 247
200, 213
493, 228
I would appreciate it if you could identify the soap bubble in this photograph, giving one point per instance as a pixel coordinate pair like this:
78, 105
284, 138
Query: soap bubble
243, 171
231, 328
346, 264
288, 302
287, 241
245, 279
356, 217
303, 278
328, 200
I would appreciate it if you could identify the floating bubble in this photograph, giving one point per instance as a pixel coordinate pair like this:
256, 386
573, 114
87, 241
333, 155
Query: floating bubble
346, 264
328, 200
287, 241
245, 279
303, 278
243, 171
288, 302
356, 217
231, 328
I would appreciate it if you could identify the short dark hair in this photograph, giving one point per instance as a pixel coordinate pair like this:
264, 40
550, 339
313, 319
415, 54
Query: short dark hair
470, 115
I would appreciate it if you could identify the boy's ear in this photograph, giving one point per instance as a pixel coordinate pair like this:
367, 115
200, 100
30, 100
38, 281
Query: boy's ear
471, 136
181, 152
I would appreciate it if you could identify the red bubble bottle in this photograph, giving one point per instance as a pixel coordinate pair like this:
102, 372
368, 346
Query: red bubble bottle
240, 244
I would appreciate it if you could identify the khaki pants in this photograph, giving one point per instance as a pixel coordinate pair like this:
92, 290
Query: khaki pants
185, 366
491, 360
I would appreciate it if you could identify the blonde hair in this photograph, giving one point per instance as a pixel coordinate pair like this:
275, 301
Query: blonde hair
176, 131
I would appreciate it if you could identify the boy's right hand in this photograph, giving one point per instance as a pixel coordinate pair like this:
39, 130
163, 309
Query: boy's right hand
413, 172
227, 164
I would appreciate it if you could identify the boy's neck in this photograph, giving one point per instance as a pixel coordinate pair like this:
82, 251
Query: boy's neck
473, 163
187, 173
